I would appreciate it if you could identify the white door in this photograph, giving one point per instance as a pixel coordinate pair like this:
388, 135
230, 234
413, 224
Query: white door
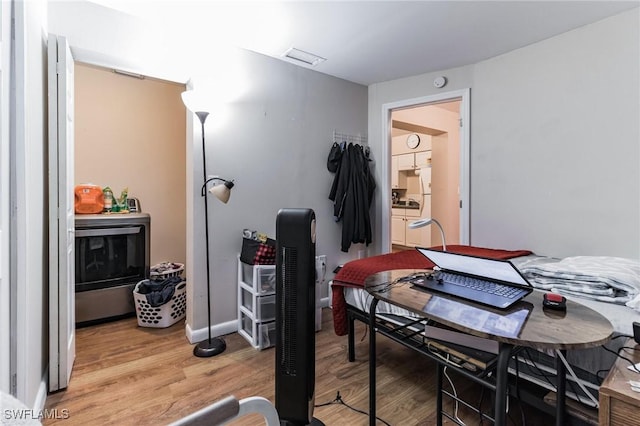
62, 348
5, 307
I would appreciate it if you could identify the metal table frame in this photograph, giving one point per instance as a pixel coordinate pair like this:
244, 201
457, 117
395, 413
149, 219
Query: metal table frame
498, 384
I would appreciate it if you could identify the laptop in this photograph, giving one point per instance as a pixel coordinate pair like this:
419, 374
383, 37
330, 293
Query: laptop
491, 282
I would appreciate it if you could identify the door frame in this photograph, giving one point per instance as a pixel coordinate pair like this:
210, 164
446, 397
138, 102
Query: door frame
464, 95
100, 60
6, 323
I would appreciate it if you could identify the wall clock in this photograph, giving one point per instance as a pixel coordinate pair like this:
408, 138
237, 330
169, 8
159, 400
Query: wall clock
413, 141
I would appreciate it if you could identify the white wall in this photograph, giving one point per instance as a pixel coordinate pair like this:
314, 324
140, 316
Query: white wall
554, 141
31, 272
566, 150
274, 142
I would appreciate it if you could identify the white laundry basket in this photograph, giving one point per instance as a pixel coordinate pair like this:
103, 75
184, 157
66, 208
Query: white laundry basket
161, 316
166, 270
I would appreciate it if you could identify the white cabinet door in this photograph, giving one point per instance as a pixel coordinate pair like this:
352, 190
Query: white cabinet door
398, 178
414, 236
406, 161
423, 159
398, 224
394, 172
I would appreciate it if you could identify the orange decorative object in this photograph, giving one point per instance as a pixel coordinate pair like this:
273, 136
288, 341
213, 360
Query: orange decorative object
88, 199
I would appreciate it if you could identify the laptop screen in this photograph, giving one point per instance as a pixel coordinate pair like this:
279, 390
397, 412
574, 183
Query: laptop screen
478, 266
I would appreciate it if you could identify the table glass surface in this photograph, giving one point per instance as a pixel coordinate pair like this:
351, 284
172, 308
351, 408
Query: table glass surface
525, 323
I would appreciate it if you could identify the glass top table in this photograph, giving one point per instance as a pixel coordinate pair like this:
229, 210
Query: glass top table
525, 324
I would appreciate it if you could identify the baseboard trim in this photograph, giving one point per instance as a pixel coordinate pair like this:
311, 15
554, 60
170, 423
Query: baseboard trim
41, 396
198, 335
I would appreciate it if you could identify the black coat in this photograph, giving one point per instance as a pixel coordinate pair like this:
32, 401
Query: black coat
352, 193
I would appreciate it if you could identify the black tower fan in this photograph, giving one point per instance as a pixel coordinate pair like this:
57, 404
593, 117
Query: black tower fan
295, 313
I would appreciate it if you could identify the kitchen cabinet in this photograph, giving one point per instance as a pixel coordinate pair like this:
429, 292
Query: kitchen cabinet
423, 159
402, 235
398, 179
412, 161
406, 161
398, 229
400, 220
420, 237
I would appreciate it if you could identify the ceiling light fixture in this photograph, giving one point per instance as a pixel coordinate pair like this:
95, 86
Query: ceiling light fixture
302, 56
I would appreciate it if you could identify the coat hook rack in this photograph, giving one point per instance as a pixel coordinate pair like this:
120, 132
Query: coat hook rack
345, 137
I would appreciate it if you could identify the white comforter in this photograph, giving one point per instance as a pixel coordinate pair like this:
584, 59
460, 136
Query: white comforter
607, 279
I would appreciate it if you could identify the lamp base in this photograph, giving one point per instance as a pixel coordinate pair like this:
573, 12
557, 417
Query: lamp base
208, 348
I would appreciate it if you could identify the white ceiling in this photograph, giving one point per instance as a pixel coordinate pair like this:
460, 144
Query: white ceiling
373, 41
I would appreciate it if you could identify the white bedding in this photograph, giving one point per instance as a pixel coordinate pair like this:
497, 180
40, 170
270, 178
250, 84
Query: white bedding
603, 278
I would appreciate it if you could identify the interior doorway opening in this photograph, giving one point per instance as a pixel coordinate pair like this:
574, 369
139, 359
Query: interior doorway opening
129, 134
425, 174
427, 146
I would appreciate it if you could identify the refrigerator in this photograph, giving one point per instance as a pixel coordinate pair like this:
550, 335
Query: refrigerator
424, 174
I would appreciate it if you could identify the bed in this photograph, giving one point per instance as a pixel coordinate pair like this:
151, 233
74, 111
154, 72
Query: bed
604, 284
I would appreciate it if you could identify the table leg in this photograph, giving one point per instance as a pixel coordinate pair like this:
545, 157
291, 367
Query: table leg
351, 339
561, 384
439, 371
372, 362
502, 375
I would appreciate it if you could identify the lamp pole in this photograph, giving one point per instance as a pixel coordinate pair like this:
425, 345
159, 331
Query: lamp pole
428, 221
211, 346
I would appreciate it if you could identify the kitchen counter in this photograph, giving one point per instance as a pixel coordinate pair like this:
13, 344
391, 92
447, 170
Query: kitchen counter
404, 205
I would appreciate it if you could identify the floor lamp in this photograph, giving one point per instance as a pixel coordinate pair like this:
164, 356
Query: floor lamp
428, 221
213, 345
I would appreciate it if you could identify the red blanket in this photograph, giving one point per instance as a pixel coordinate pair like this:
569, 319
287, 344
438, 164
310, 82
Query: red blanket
355, 272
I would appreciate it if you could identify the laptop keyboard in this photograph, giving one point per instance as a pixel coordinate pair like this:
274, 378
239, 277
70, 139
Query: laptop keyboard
480, 285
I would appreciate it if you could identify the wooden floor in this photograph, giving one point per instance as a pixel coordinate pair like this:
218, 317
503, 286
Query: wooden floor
129, 375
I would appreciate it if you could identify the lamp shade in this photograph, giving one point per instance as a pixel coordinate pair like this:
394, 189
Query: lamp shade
196, 101
428, 221
222, 192
420, 223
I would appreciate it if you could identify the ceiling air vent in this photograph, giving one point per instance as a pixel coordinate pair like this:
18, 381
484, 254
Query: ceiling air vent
302, 56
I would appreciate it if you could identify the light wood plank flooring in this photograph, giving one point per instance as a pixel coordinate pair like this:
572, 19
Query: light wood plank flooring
129, 375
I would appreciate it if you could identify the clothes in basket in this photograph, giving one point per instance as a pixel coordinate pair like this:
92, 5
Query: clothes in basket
158, 293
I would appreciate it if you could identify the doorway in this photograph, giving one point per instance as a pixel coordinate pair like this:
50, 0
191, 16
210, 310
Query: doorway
425, 152
130, 134
427, 146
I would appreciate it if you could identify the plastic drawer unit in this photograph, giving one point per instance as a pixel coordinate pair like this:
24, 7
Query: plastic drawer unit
257, 304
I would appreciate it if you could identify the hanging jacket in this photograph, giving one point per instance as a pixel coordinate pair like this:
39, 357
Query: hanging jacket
352, 192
